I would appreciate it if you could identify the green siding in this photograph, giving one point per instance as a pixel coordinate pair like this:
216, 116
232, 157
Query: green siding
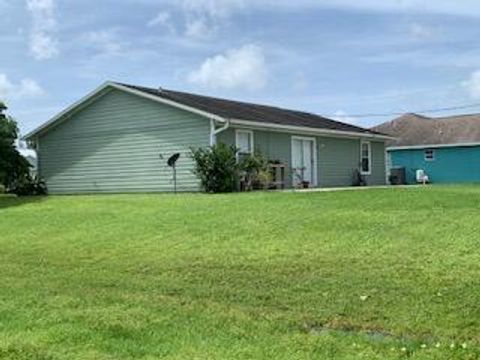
378, 176
337, 158
113, 145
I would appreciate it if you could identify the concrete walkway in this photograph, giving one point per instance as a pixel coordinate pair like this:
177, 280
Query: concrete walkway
356, 188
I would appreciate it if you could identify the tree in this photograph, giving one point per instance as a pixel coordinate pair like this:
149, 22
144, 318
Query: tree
14, 168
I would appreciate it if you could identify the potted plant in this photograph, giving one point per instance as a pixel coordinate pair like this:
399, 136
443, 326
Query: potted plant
300, 174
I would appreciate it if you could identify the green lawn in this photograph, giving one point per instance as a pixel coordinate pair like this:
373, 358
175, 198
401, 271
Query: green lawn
377, 274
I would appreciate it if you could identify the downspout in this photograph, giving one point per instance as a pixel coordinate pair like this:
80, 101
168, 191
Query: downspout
214, 132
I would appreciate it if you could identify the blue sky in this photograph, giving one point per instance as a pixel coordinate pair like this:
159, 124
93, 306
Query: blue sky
337, 58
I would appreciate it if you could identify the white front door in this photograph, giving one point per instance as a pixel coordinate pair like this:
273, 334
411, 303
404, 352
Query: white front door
304, 160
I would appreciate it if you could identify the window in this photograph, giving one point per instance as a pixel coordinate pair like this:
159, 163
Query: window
365, 158
429, 154
244, 141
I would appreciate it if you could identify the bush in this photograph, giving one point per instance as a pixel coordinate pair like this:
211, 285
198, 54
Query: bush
219, 171
217, 168
29, 186
2, 189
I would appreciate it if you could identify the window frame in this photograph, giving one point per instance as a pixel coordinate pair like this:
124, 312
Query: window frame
250, 135
369, 145
432, 151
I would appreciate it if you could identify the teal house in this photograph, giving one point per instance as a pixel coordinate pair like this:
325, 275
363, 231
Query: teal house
446, 149
118, 138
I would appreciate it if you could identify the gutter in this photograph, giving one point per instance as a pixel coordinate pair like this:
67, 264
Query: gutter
431, 146
309, 130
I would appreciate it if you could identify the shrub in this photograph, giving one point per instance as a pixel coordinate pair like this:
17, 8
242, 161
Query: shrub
254, 170
217, 168
29, 186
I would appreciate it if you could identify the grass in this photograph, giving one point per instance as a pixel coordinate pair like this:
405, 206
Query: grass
378, 274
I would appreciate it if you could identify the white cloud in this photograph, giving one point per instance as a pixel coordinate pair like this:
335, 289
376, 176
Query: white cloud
214, 8
243, 68
104, 42
43, 44
6, 87
163, 18
473, 85
448, 7
199, 29
29, 88
25, 89
26, 152
204, 18
224, 8
342, 116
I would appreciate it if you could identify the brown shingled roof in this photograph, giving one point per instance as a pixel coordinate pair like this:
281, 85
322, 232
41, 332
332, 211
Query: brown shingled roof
231, 109
414, 129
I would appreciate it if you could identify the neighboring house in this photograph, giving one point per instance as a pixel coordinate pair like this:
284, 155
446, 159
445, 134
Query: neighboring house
447, 148
31, 157
32, 160
119, 137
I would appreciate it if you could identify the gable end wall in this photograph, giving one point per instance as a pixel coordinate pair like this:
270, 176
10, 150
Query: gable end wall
114, 145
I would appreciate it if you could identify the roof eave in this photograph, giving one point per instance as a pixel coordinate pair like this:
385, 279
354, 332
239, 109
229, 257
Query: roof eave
429, 146
109, 84
310, 130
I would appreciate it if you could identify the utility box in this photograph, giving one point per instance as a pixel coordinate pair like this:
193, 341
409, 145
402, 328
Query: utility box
398, 176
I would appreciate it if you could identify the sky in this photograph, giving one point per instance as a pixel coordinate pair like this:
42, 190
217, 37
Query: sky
343, 59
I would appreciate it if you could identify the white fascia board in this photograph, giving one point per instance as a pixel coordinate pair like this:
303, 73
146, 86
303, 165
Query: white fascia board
431, 146
308, 130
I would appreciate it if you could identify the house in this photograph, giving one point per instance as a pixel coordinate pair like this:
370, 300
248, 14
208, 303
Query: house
446, 148
32, 160
31, 157
119, 137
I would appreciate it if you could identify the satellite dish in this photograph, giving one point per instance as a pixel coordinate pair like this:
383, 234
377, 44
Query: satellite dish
173, 159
